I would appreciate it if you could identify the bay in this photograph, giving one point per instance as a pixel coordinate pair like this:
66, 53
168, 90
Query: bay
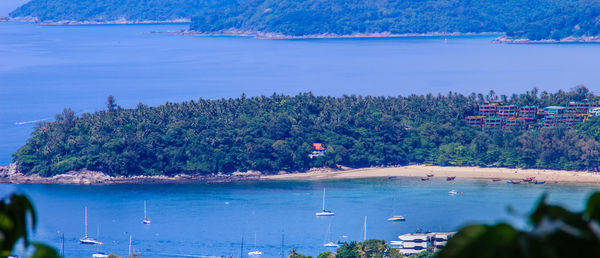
211, 219
44, 69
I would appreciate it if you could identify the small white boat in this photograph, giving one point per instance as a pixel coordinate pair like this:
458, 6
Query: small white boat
146, 220
99, 255
452, 192
86, 240
396, 218
324, 212
330, 244
256, 252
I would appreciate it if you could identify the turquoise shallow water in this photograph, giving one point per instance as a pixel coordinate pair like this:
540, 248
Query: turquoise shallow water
211, 219
44, 69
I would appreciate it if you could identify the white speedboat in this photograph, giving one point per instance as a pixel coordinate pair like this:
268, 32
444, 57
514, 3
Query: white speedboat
324, 212
255, 253
99, 255
330, 244
452, 192
396, 218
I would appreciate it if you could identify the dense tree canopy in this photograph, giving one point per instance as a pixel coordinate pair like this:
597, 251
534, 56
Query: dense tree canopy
275, 133
532, 19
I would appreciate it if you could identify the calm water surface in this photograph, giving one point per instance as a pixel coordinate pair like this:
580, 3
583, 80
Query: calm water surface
44, 69
212, 219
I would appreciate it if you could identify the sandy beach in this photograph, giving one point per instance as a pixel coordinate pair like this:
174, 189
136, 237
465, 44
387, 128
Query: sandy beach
550, 176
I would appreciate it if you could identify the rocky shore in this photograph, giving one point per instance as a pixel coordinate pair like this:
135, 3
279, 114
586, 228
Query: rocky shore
9, 175
74, 22
582, 39
271, 35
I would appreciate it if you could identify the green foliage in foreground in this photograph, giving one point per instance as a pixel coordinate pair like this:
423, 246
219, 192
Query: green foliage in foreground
16, 211
532, 19
275, 133
555, 233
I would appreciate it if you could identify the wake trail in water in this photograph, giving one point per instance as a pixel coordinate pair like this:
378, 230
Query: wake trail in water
32, 121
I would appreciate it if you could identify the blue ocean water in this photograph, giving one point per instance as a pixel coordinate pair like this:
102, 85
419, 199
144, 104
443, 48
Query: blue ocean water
44, 69
212, 219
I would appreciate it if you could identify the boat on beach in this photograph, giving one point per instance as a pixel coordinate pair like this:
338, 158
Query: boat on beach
496, 179
513, 182
425, 179
450, 178
539, 182
430, 175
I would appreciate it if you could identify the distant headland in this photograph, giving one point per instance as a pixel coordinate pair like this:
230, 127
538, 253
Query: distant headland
298, 133
520, 21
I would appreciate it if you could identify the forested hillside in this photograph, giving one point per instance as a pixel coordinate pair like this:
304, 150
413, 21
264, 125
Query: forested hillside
532, 19
275, 133
113, 10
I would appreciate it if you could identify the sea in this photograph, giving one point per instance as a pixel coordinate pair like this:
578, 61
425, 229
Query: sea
194, 220
44, 69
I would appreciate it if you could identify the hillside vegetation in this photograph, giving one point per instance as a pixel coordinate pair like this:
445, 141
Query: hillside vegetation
275, 133
532, 19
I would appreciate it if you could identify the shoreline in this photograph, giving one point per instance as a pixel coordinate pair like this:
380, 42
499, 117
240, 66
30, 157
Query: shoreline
421, 171
582, 39
8, 175
35, 20
501, 39
274, 35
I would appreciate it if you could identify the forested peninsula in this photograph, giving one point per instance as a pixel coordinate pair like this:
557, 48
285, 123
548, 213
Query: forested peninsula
518, 20
278, 133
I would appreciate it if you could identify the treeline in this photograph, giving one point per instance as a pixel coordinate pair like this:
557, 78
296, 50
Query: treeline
113, 10
275, 133
532, 19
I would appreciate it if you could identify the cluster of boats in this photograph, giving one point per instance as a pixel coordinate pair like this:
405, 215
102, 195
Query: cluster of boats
530, 180
87, 240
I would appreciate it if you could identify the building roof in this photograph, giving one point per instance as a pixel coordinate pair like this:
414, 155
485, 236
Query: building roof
318, 146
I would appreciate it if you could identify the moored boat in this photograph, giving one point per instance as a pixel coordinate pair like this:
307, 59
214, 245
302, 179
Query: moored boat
513, 182
396, 218
324, 212
450, 178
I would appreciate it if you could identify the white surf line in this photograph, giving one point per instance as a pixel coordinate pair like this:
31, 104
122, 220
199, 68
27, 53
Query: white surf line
48, 118
32, 121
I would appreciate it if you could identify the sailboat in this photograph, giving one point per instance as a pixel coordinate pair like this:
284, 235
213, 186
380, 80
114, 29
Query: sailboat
395, 217
256, 252
146, 220
324, 212
86, 239
329, 243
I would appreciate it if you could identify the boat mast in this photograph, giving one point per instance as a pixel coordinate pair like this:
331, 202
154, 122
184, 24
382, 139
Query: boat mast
242, 248
323, 198
85, 235
130, 237
365, 233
